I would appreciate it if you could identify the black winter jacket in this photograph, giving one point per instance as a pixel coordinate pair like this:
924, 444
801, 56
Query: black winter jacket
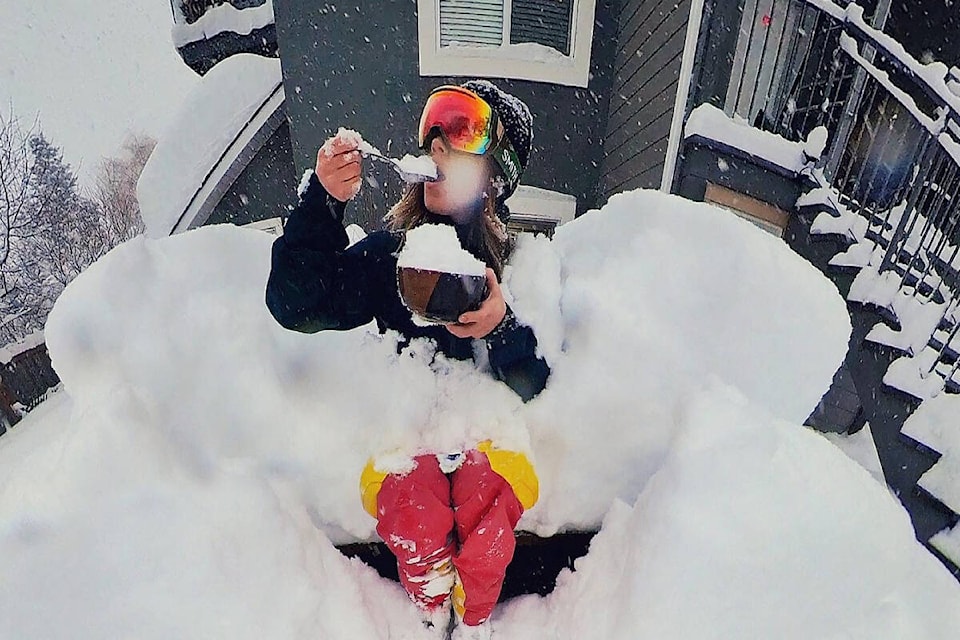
317, 283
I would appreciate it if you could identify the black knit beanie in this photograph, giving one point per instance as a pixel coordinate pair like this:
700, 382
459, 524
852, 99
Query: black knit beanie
516, 118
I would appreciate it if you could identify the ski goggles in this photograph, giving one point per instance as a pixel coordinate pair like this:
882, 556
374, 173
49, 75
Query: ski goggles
468, 124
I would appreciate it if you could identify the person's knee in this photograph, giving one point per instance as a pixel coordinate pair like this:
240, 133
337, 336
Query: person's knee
414, 513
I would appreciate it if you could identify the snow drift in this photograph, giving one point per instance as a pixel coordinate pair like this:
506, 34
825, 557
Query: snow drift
203, 459
635, 305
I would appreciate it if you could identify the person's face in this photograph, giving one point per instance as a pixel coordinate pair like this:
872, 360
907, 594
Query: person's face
462, 184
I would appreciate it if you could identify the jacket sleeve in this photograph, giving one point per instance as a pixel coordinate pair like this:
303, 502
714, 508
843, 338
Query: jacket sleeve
512, 352
315, 283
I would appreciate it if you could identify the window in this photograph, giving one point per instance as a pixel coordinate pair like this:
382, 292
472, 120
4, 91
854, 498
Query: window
540, 40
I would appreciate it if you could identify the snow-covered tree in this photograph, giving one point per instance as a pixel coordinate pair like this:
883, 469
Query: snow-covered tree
116, 190
65, 237
24, 206
49, 230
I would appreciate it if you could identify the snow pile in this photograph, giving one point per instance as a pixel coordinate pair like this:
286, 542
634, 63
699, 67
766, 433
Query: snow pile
707, 121
435, 247
155, 553
816, 143
209, 122
222, 18
638, 303
738, 536
635, 307
203, 460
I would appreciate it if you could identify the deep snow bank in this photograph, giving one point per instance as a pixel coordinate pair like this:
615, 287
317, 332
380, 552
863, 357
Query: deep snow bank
636, 306
752, 528
203, 460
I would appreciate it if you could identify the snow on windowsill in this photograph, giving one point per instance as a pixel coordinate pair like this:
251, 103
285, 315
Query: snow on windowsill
223, 18
707, 121
526, 51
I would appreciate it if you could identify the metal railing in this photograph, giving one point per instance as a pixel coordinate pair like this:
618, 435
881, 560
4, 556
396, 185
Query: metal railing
893, 155
788, 75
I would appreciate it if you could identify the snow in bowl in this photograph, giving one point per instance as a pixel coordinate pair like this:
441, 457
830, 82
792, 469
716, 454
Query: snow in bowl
437, 278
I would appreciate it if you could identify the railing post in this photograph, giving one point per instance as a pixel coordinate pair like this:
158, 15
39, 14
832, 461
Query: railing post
893, 247
723, 24
842, 135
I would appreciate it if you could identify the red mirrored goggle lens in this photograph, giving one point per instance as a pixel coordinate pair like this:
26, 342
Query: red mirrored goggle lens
462, 116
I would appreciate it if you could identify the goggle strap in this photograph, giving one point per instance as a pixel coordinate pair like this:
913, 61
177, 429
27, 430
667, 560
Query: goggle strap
508, 161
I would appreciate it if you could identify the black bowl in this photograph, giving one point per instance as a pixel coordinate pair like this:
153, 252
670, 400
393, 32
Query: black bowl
440, 297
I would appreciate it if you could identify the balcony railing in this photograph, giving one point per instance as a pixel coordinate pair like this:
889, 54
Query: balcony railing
891, 170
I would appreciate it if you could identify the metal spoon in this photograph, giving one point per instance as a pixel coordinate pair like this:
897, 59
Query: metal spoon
406, 175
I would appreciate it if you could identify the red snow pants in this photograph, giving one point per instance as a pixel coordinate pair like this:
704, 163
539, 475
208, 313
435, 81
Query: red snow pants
430, 519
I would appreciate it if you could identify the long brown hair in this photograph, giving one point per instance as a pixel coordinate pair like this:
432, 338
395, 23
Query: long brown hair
411, 211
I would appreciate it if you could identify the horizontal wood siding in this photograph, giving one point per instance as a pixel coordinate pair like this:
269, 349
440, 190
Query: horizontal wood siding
647, 68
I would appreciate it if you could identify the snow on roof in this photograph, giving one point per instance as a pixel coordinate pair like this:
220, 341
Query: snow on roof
10, 351
707, 121
219, 19
207, 131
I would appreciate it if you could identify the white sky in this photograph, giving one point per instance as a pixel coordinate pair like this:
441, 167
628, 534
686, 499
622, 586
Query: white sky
93, 70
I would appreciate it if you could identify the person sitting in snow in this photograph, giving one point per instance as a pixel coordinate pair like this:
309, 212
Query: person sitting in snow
445, 519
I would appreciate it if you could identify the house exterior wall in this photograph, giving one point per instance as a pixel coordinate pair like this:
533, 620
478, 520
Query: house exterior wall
267, 186
357, 66
649, 44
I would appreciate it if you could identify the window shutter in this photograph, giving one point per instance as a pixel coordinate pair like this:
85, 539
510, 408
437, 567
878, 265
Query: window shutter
478, 22
546, 22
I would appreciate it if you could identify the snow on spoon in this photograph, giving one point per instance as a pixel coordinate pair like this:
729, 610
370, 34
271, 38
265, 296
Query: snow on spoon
410, 168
